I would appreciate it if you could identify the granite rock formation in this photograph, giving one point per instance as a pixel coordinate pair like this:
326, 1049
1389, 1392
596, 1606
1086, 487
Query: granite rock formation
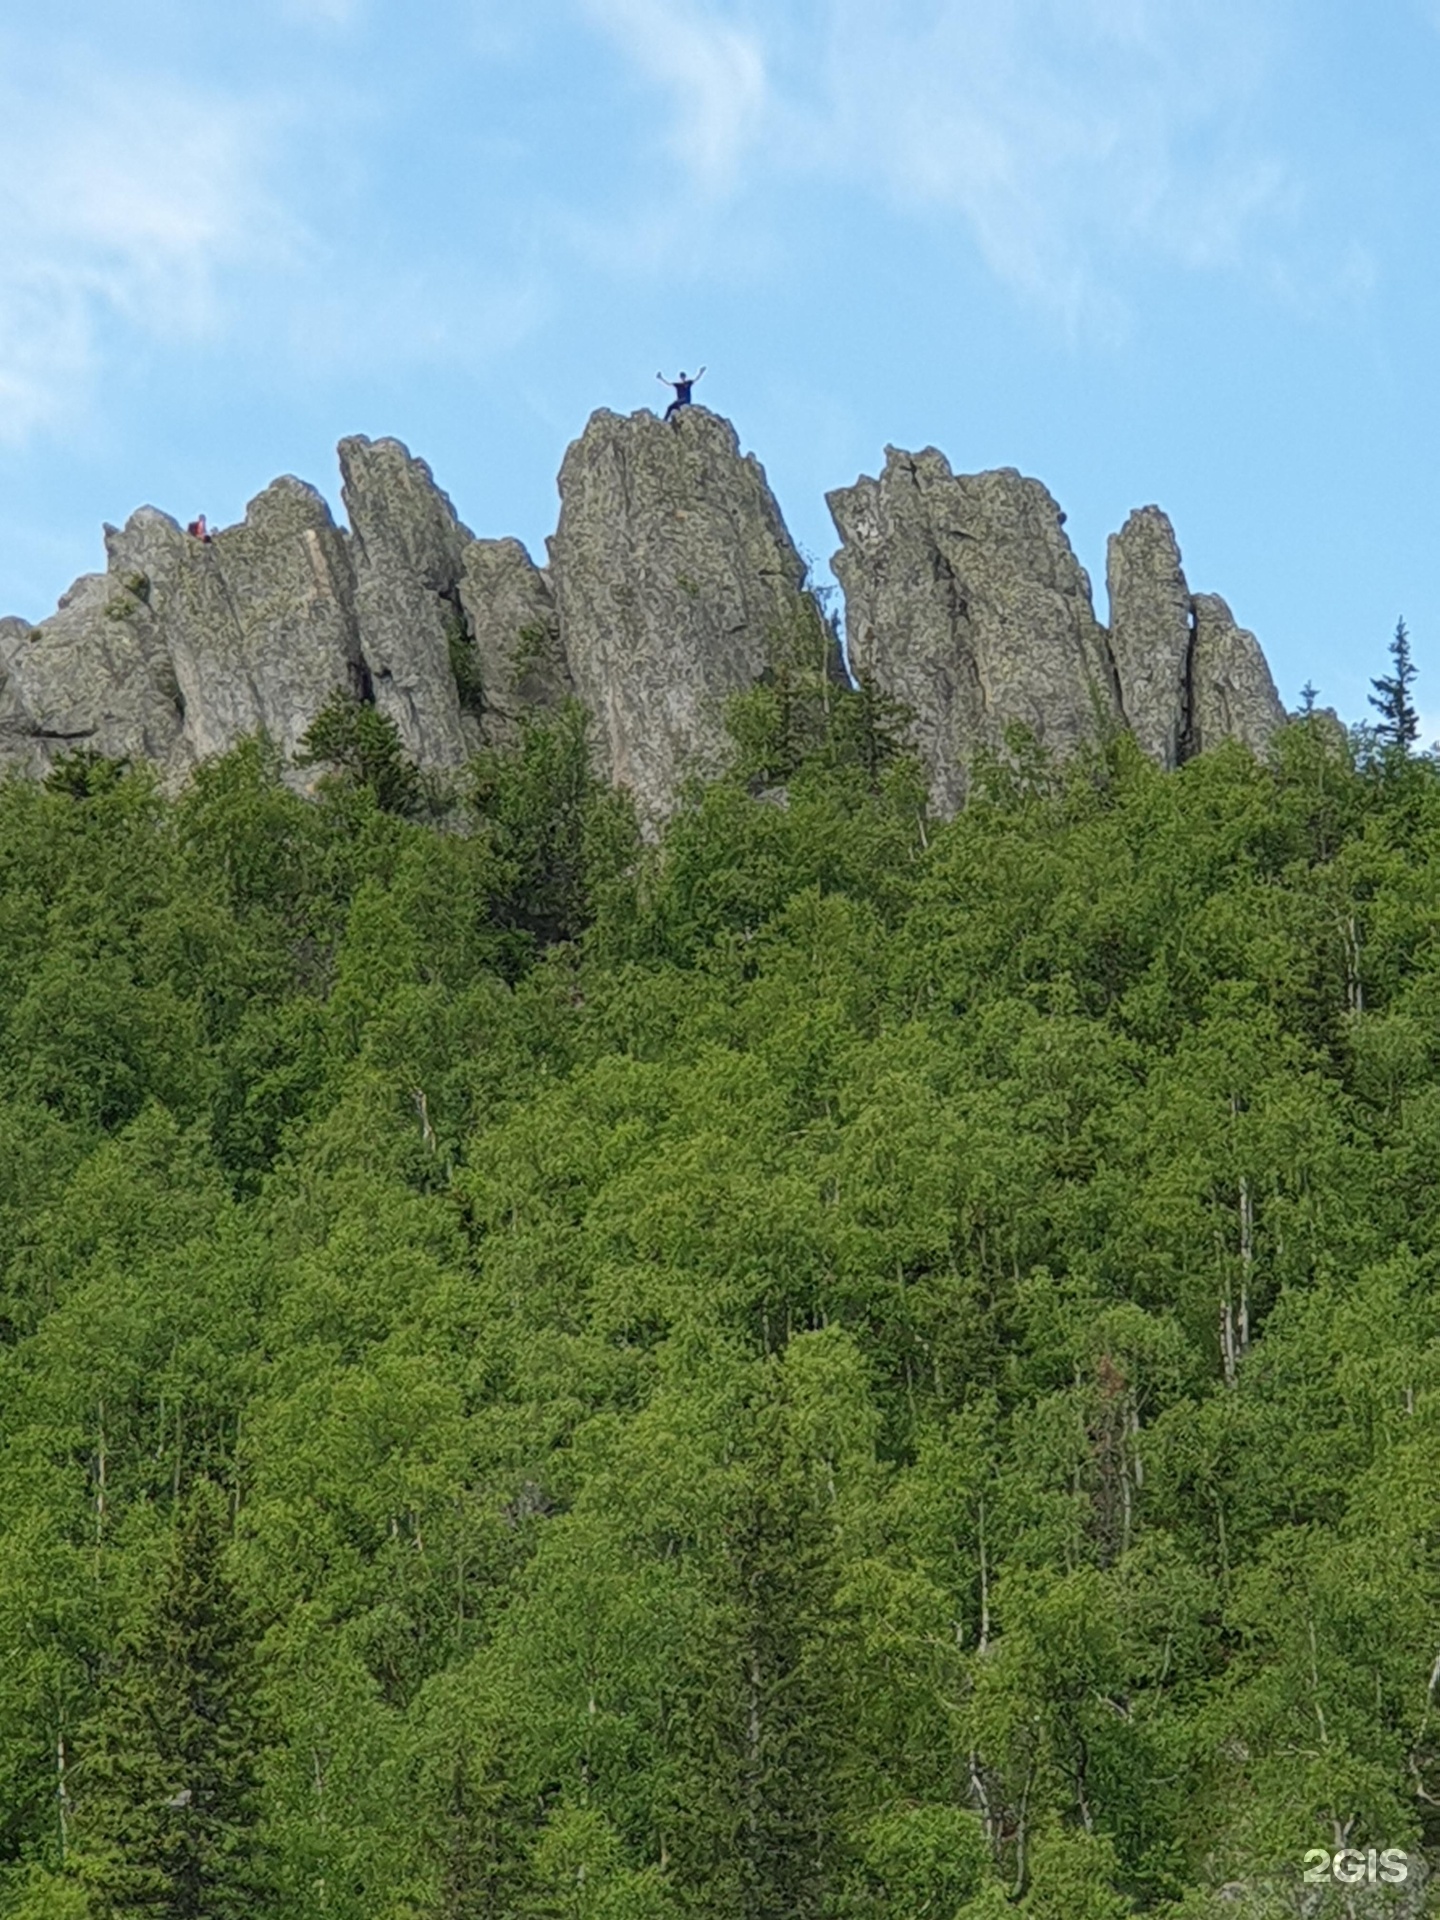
513, 625
1232, 693
257, 622
964, 600
1189, 677
409, 554
182, 646
672, 585
675, 581
1151, 626
93, 676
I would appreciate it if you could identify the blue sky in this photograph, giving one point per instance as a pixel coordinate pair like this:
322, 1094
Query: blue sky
1171, 250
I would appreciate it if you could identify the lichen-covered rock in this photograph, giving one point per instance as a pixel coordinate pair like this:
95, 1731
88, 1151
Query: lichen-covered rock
675, 583
1232, 694
1151, 633
182, 646
408, 549
964, 601
259, 621
515, 632
93, 676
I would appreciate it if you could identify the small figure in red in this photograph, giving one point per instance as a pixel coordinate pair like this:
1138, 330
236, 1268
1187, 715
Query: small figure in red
198, 528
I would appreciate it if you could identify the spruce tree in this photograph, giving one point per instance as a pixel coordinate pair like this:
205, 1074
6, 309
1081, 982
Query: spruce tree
166, 1790
758, 1822
1399, 726
479, 1844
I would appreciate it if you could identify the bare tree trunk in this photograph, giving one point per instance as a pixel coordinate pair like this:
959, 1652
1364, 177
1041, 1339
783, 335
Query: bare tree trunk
981, 1797
100, 1481
62, 1795
1247, 1256
1021, 1834
1126, 1500
1354, 989
1227, 1335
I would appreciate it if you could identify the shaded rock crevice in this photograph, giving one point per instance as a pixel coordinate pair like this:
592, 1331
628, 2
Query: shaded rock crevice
1187, 689
407, 544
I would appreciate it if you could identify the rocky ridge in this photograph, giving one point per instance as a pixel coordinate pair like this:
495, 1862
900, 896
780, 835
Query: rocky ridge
671, 584
965, 601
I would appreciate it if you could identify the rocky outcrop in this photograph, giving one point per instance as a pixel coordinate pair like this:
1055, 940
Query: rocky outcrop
93, 677
672, 586
1233, 696
514, 628
409, 555
284, 576
675, 585
1150, 633
964, 601
258, 622
182, 646
1189, 677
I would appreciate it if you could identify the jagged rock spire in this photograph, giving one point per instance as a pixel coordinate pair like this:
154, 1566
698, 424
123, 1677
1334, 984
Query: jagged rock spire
1233, 696
672, 585
674, 579
1151, 626
1189, 677
964, 600
409, 556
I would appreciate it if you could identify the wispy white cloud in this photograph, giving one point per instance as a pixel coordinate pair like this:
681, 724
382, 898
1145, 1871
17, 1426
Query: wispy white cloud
713, 71
125, 199
1065, 135
410, 315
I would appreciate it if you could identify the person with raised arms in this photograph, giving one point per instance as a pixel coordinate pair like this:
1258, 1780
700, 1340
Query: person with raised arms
682, 387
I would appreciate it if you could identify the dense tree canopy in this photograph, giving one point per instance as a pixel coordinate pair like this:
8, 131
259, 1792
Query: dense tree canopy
833, 1365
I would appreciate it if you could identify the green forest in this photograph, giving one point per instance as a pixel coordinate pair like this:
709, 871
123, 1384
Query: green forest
829, 1365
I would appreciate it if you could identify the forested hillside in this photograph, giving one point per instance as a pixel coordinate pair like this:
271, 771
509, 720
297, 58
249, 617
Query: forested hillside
832, 1365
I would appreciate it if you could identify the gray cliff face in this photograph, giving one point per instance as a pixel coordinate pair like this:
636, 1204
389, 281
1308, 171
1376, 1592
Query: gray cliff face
675, 580
673, 585
1150, 633
257, 623
510, 611
183, 646
93, 676
1233, 695
964, 600
409, 555
1189, 677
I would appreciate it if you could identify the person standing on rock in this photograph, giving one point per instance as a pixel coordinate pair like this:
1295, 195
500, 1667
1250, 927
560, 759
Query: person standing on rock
682, 388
